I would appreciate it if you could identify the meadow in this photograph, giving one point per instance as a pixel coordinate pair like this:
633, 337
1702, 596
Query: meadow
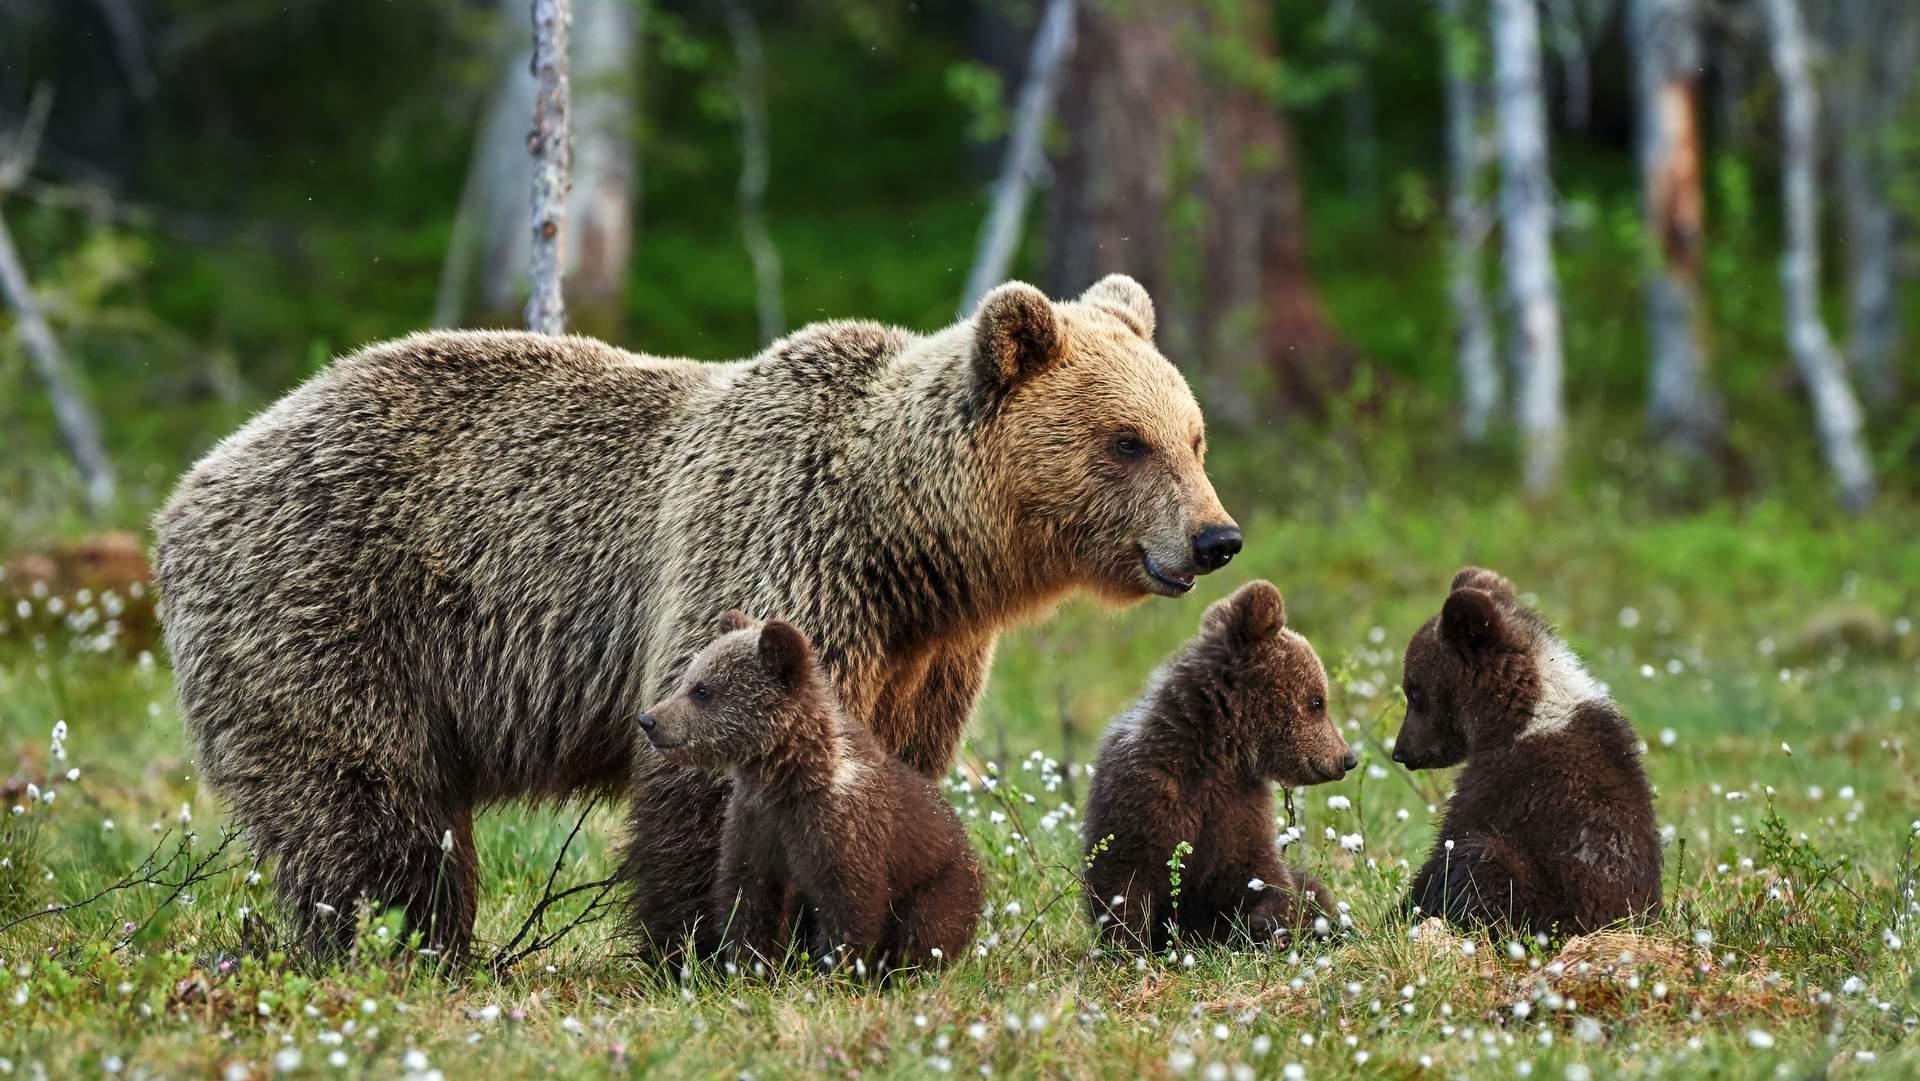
1764, 648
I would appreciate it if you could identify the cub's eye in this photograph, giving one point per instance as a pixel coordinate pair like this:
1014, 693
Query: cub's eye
1129, 445
1316, 703
700, 692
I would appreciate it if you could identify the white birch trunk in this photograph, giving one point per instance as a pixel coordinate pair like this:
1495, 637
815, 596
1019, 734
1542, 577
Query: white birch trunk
755, 163
1000, 233
70, 410
1479, 373
551, 144
1877, 43
1526, 213
1836, 412
1665, 43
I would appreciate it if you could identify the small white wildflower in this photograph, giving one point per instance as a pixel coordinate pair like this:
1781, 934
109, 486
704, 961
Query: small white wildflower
1256, 884
1759, 1038
186, 814
325, 909
1891, 940
1352, 842
287, 1059
1338, 803
1668, 737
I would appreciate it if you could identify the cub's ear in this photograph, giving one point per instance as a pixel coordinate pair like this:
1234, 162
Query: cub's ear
1125, 298
733, 619
786, 653
1471, 618
1254, 612
1483, 579
1015, 334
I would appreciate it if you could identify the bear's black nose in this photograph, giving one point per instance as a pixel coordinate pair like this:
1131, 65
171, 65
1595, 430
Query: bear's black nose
1399, 756
1350, 762
646, 722
1215, 546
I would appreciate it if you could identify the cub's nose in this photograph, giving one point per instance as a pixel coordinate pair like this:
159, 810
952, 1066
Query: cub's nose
646, 722
1215, 546
1349, 762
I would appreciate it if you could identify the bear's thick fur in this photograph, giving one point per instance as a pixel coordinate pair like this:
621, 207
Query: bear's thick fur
1550, 825
1241, 707
452, 569
827, 836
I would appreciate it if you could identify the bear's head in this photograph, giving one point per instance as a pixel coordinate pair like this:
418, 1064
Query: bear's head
742, 697
1271, 691
1099, 442
1483, 672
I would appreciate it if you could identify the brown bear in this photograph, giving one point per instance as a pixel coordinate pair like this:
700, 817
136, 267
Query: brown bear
451, 570
1550, 826
824, 828
1241, 707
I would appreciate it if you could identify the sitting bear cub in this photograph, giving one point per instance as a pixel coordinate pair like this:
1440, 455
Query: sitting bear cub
1243, 706
827, 835
1550, 826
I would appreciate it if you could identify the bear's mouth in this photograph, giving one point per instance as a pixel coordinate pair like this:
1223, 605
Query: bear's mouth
1172, 584
661, 743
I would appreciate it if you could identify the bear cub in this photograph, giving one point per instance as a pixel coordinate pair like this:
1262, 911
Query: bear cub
828, 838
1550, 826
1241, 707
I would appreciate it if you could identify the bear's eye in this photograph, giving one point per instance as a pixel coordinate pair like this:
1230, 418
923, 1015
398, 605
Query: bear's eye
1129, 445
1316, 703
1416, 697
700, 692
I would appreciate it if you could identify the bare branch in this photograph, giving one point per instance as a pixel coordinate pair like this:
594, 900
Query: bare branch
130, 41
17, 153
754, 166
513, 952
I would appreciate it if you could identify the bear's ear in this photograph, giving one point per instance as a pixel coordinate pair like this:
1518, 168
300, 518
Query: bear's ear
1471, 618
1015, 334
1483, 579
733, 619
1253, 613
786, 653
1125, 298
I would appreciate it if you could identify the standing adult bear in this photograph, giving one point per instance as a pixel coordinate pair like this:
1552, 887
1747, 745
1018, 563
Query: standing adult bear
452, 569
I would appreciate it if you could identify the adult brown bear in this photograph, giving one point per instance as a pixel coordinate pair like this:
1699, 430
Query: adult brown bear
452, 569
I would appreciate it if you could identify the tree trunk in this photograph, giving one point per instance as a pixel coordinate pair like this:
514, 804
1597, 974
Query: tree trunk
1666, 48
1025, 155
552, 146
751, 87
1180, 171
1466, 165
70, 409
1836, 412
1526, 214
1875, 45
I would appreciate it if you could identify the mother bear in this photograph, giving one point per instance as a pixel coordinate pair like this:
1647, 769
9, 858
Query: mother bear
451, 569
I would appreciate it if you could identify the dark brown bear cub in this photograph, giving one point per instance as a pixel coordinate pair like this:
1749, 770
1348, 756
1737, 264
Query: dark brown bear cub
825, 830
1550, 826
1241, 707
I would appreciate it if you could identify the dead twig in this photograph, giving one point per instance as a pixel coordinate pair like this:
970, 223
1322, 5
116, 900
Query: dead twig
514, 952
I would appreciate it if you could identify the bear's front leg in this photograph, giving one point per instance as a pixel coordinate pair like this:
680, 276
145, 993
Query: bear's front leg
926, 707
750, 909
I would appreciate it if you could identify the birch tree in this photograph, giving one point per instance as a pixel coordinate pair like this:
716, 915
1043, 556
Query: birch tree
1836, 412
1526, 214
755, 161
552, 146
1024, 156
1665, 43
1877, 45
1466, 165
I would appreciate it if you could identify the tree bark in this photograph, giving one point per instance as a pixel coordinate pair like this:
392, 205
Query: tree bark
1526, 213
551, 144
70, 409
1466, 165
1665, 43
1836, 411
1876, 42
1025, 155
1180, 171
755, 161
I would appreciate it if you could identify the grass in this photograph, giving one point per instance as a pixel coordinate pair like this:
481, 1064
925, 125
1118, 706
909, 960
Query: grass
1764, 651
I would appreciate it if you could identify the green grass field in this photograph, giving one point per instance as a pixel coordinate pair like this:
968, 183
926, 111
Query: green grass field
1765, 653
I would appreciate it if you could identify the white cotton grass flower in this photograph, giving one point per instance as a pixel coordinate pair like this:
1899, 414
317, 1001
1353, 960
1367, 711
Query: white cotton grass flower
1759, 1038
1352, 842
1338, 803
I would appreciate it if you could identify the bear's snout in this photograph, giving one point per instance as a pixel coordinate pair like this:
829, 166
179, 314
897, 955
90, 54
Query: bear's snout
1215, 546
646, 722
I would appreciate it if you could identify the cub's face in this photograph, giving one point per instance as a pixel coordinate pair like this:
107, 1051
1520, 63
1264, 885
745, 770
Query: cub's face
726, 708
1102, 443
1274, 689
1455, 669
